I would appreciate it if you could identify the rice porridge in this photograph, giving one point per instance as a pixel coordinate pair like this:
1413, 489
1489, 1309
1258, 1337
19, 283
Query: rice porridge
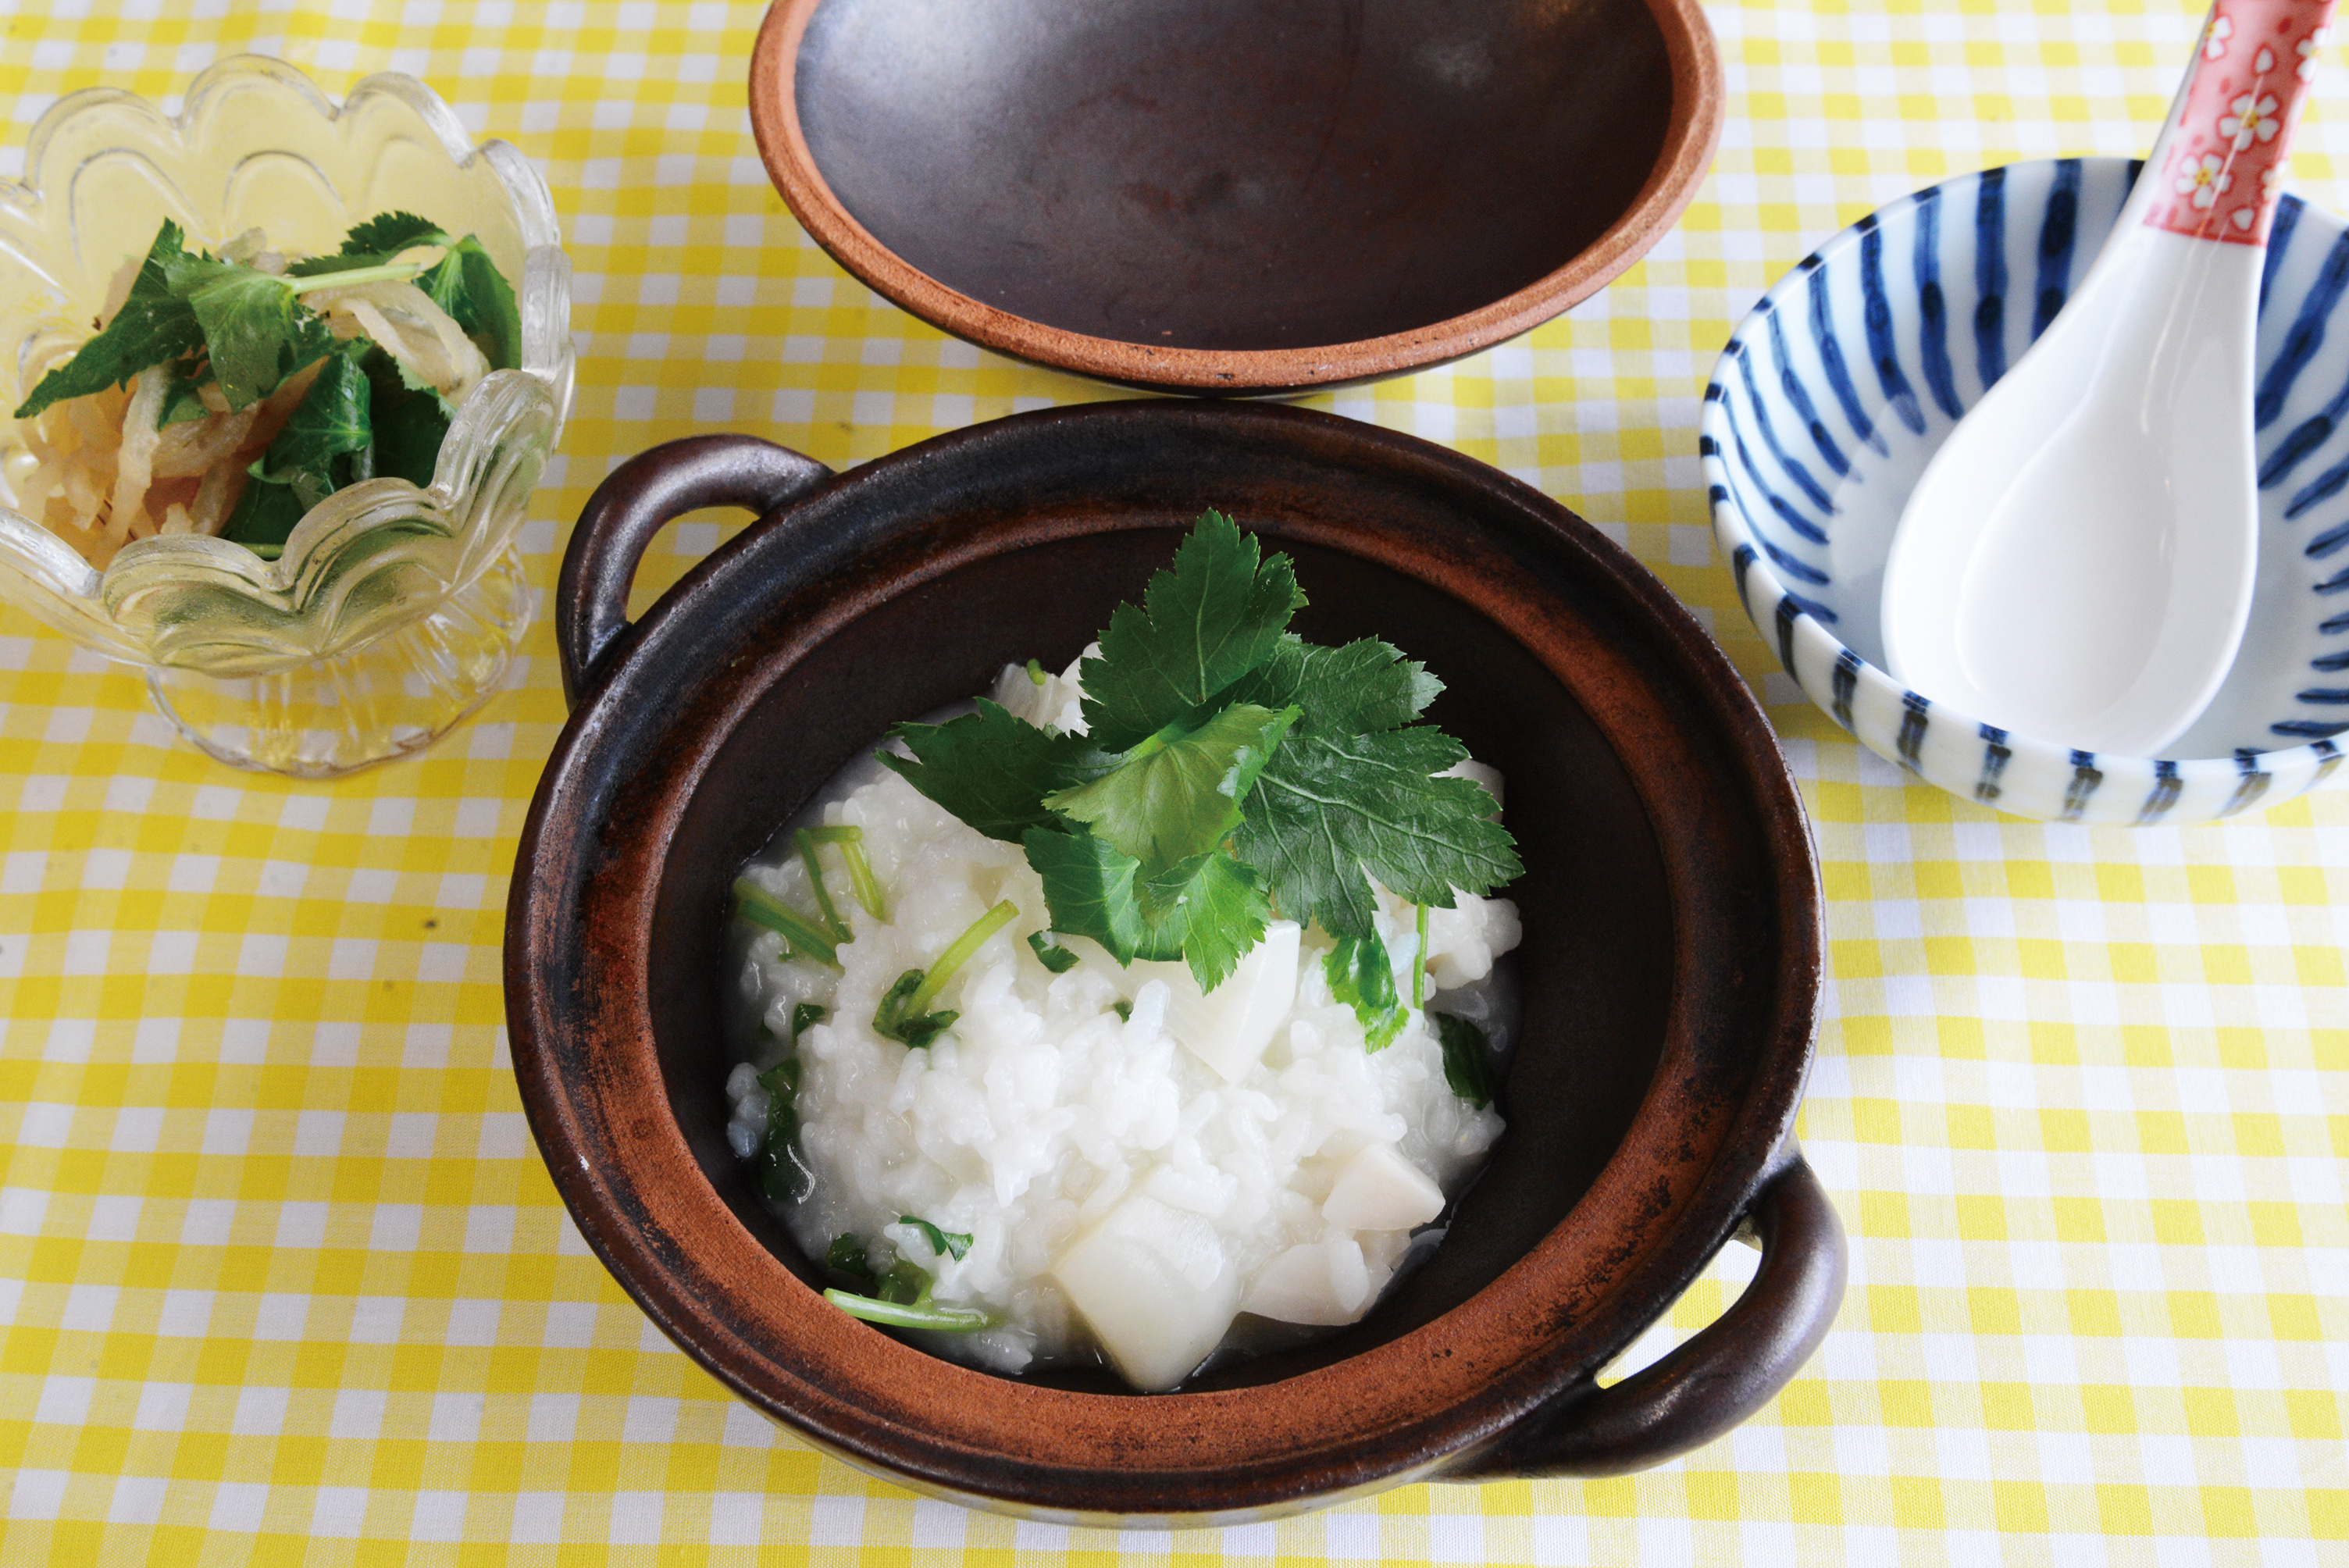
1094, 1160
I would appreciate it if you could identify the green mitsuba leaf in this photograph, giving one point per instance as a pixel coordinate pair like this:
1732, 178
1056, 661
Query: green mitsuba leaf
1178, 796
784, 1175
263, 517
1231, 770
469, 287
1361, 975
1467, 1059
943, 1243
1218, 614
907, 1284
1089, 886
1363, 688
1329, 809
327, 442
846, 1256
1208, 910
1054, 957
993, 770
410, 420
894, 1020
154, 327
183, 400
373, 241
256, 331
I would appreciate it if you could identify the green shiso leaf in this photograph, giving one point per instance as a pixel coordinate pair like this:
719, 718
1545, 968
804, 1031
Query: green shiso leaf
1208, 911
1218, 614
784, 1175
154, 327
411, 420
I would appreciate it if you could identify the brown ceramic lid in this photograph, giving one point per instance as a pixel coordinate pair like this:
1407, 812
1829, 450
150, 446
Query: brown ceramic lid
1235, 195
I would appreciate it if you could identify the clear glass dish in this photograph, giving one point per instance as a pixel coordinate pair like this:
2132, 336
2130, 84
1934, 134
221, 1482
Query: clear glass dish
394, 610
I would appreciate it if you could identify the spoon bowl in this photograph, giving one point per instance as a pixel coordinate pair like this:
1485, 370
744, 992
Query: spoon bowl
2079, 557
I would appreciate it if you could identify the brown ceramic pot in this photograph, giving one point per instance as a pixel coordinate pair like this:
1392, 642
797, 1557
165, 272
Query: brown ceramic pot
1669, 965
1236, 196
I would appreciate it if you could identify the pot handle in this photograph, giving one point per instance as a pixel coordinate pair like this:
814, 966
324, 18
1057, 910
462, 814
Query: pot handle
1716, 1379
632, 504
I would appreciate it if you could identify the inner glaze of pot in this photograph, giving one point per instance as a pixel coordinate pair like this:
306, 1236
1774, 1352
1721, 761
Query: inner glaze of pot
1595, 963
1235, 174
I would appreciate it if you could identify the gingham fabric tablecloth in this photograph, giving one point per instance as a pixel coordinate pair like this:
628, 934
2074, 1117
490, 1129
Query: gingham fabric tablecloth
283, 1278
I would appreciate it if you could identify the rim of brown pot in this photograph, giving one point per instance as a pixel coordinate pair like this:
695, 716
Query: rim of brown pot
1451, 1396
1692, 135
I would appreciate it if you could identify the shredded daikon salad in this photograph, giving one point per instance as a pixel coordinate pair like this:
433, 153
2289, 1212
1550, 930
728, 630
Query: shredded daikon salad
228, 392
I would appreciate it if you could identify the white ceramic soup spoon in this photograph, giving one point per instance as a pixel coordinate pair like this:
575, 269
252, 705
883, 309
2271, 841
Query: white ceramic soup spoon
2077, 562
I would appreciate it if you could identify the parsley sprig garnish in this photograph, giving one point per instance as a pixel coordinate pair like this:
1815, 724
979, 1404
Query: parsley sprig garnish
1231, 771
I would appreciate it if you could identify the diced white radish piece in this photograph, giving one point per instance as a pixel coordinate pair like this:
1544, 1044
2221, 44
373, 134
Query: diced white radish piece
1319, 1282
1228, 1027
1019, 693
1379, 1190
1154, 1287
1479, 773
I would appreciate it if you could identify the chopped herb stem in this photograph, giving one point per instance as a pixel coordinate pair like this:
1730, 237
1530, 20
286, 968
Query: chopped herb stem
1419, 964
390, 271
755, 904
861, 880
1036, 673
896, 1314
957, 955
832, 923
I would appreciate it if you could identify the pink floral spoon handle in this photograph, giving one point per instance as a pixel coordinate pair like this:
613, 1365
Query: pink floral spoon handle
2215, 172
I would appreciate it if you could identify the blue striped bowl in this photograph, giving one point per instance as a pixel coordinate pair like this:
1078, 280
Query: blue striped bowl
1836, 388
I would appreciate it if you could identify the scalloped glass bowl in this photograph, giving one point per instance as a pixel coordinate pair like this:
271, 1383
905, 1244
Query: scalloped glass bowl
394, 610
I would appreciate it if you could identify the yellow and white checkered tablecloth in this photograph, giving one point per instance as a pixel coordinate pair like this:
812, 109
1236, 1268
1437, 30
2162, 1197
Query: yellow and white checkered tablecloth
283, 1279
